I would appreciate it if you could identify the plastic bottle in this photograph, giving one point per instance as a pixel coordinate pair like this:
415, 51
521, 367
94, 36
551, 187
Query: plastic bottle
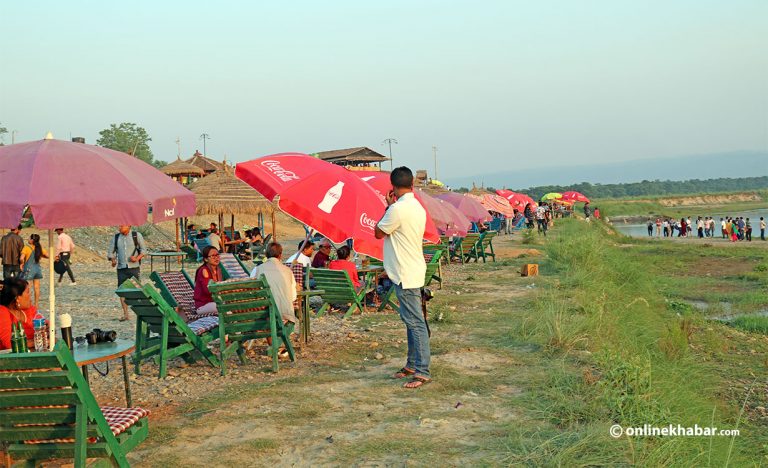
41, 333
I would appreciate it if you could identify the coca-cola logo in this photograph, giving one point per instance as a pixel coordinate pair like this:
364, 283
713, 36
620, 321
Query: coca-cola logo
365, 221
278, 170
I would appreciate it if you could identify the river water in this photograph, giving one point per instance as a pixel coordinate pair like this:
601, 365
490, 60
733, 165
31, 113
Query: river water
641, 230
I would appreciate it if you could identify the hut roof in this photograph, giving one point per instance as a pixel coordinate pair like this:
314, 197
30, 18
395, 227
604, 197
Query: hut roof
223, 193
351, 155
206, 164
181, 168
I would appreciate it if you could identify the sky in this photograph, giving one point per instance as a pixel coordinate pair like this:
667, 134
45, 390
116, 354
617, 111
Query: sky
492, 84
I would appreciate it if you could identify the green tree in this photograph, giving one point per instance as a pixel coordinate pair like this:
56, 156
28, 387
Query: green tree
3, 131
128, 138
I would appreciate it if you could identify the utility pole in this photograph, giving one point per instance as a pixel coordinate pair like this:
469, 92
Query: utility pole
204, 137
13, 136
178, 143
434, 154
389, 141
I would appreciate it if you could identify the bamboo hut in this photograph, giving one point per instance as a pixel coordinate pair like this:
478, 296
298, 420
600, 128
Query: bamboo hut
222, 193
183, 172
360, 158
206, 164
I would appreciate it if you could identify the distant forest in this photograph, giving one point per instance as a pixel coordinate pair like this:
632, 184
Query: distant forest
649, 188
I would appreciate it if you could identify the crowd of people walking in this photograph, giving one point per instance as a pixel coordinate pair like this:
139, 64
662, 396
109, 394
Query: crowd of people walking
734, 229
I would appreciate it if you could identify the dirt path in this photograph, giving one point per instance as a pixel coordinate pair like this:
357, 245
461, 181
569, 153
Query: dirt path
337, 403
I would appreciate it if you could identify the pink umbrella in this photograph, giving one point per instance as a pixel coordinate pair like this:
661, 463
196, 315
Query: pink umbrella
67, 184
472, 209
498, 204
575, 197
332, 200
448, 220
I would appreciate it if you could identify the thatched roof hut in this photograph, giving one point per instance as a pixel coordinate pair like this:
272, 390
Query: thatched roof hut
206, 164
360, 157
181, 168
223, 193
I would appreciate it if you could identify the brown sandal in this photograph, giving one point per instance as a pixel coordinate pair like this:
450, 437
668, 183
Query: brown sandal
403, 373
417, 381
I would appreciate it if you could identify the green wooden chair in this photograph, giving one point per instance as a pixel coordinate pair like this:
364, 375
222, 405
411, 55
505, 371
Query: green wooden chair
436, 255
47, 411
389, 298
485, 245
247, 311
465, 247
339, 289
174, 337
233, 267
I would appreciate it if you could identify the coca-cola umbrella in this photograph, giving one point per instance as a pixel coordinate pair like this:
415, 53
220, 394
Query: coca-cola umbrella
515, 199
574, 197
471, 208
446, 218
330, 199
66, 184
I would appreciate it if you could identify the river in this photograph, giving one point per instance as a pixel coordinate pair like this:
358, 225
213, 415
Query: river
641, 230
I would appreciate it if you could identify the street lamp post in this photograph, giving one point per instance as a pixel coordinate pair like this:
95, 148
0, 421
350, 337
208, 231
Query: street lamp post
434, 155
204, 137
389, 141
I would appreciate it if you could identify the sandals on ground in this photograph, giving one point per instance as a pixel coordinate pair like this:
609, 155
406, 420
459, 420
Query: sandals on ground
417, 381
403, 373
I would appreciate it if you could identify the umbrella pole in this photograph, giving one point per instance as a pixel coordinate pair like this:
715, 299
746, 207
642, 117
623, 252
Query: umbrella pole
274, 232
178, 233
51, 292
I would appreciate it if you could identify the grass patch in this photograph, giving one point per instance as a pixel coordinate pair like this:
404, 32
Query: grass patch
751, 323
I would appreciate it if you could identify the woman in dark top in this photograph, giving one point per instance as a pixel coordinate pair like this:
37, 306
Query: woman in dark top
208, 271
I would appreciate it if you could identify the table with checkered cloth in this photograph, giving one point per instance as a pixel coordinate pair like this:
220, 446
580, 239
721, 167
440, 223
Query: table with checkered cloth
119, 420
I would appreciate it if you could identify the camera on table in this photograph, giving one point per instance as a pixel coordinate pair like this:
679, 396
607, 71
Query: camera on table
101, 336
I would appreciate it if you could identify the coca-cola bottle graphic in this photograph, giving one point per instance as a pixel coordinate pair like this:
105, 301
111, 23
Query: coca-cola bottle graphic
332, 196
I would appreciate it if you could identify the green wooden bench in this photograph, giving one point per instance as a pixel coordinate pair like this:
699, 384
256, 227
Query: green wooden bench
339, 289
485, 245
174, 337
465, 247
47, 411
247, 311
389, 298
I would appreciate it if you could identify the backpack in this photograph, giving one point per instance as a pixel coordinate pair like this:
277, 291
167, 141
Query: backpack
136, 248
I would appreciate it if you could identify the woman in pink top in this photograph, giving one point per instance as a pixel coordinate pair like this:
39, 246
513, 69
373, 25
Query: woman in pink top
344, 264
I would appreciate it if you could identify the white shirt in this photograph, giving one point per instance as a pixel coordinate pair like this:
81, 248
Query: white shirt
282, 285
404, 224
300, 258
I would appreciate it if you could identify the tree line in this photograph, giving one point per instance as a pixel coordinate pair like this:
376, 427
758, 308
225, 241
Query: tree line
648, 188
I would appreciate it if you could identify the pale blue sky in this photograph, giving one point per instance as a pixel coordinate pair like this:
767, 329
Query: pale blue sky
492, 84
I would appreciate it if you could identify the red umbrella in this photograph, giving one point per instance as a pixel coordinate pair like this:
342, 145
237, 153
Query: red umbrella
575, 197
67, 184
516, 200
446, 218
332, 200
498, 204
471, 208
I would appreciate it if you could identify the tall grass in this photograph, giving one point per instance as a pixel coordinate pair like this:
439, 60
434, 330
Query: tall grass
605, 310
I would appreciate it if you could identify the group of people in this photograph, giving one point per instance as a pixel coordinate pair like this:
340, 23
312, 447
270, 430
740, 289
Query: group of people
731, 228
401, 227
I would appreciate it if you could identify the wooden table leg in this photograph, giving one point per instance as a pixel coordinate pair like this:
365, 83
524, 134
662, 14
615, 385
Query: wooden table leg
128, 399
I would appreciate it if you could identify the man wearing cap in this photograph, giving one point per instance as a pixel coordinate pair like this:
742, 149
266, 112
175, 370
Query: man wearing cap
64, 249
323, 255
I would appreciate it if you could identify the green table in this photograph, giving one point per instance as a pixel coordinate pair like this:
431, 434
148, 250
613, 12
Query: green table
102, 352
304, 295
166, 256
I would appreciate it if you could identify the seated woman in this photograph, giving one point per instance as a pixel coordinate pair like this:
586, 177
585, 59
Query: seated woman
16, 307
343, 263
209, 271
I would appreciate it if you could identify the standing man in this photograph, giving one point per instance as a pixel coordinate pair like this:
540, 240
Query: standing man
762, 228
64, 249
10, 251
402, 228
126, 249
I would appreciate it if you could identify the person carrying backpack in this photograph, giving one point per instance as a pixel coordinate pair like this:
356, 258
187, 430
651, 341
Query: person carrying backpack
126, 249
